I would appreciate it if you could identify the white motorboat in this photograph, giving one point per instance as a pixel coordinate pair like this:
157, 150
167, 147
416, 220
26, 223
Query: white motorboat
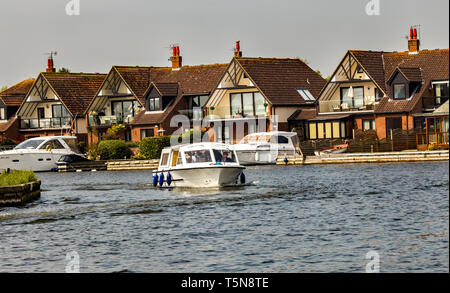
264, 147
199, 165
39, 153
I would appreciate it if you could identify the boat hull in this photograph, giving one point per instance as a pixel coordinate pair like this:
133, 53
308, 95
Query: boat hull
260, 157
215, 176
38, 161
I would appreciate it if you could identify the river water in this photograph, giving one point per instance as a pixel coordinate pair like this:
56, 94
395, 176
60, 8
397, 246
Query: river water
323, 218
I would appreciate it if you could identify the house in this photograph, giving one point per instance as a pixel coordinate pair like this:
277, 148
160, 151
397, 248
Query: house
118, 100
10, 101
144, 99
56, 103
261, 94
180, 90
381, 91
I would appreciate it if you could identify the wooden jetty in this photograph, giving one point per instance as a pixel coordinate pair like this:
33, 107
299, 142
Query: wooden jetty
348, 158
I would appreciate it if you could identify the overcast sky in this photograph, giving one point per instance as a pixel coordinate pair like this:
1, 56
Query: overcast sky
139, 32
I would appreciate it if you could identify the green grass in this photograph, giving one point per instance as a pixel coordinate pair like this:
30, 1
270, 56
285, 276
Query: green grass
17, 177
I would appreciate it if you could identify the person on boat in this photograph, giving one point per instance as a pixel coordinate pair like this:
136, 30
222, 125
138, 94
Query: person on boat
226, 158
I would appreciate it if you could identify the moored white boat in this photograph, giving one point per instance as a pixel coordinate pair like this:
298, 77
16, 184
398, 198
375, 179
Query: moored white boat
199, 165
38, 154
263, 148
337, 149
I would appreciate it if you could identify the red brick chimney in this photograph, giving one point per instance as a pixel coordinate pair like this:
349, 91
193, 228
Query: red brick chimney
413, 41
238, 52
177, 60
50, 66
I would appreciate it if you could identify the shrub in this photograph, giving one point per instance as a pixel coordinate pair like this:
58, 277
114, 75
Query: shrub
151, 147
113, 150
16, 177
93, 151
8, 142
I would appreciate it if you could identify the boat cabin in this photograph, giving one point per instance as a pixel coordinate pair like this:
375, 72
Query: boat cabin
197, 156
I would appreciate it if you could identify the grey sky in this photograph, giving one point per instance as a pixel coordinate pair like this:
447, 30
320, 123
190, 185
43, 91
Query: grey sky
139, 32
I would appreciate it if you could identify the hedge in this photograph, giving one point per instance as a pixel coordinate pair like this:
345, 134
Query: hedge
113, 150
151, 147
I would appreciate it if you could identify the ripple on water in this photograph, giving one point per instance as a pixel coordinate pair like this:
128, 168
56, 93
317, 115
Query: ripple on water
295, 219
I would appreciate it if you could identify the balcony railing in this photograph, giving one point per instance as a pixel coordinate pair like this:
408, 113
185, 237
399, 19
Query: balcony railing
345, 106
108, 120
63, 122
434, 102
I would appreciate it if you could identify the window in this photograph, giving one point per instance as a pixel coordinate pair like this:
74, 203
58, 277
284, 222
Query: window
147, 133
306, 95
356, 101
29, 144
247, 104
378, 94
2, 114
123, 109
164, 159
59, 111
224, 156
154, 104
236, 104
201, 156
399, 91
392, 124
54, 144
440, 89
359, 69
282, 140
368, 124
260, 109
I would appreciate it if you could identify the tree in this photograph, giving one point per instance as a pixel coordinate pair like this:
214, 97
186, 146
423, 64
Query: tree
3, 88
64, 70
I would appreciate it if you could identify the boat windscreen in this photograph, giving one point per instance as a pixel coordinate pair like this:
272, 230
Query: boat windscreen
29, 144
201, 156
224, 156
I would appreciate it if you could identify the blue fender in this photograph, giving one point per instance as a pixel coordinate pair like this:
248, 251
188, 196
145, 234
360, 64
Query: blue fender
242, 178
169, 179
155, 180
161, 179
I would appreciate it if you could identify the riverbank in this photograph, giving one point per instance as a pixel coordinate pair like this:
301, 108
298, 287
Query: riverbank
18, 195
385, 157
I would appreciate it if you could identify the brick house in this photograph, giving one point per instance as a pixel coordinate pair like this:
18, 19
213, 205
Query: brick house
10, 101
381, 91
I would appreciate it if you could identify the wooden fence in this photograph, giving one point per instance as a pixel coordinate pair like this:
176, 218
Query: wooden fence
366, 142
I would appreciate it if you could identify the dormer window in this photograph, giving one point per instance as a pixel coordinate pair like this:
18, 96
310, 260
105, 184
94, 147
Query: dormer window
154, 104
400, 91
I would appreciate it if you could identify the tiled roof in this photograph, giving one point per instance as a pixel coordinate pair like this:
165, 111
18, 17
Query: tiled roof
4, 126
279, 79
167, 89
303, 114
14, 95
433, 65
191, 80
137, 78
412, 74
76, 90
